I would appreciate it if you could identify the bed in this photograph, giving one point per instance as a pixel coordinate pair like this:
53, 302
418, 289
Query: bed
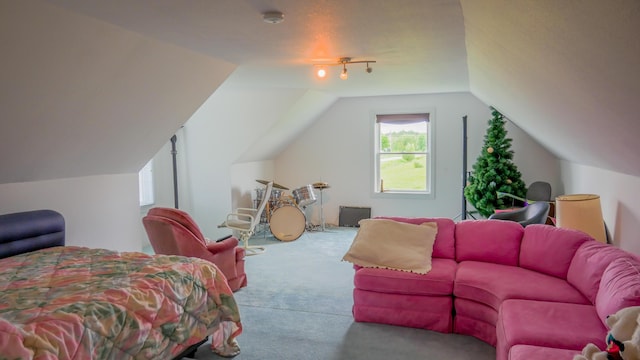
70, 302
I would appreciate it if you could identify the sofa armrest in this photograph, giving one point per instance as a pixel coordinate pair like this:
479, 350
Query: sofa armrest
223, 254
226, 244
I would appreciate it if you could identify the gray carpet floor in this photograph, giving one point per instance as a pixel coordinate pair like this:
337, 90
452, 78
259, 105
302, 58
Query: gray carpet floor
298, 302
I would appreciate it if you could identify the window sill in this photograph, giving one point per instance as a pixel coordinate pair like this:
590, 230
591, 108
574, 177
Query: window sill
403, 195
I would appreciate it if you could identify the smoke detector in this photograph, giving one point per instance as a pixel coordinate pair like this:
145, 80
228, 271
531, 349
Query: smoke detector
273, 17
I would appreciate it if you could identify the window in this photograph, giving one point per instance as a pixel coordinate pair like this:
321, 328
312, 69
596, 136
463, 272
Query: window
145, 184
403, 156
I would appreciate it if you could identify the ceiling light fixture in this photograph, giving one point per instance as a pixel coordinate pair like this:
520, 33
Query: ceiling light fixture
344, 61
343, 74
322, 72
273, 17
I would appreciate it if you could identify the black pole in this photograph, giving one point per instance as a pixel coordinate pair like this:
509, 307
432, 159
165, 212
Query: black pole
464, 166
174, 152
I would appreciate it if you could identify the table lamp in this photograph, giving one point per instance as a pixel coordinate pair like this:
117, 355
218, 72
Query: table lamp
581, 212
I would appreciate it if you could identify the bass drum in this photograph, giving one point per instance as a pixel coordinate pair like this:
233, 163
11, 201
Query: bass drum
287, 223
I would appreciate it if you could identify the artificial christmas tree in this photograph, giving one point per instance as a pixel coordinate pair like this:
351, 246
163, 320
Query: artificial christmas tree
494, 171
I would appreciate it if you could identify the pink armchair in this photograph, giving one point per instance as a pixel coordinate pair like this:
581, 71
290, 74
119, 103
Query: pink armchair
173, 232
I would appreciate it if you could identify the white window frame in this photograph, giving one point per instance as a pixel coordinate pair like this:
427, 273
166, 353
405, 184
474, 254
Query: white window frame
430, 160
145, 185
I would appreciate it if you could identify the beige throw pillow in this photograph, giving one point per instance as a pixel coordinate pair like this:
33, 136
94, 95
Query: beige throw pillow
393, 245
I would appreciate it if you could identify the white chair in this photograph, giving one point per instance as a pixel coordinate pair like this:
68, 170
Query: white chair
245, 220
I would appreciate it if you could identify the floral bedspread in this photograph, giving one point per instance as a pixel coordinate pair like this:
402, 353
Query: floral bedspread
80, 303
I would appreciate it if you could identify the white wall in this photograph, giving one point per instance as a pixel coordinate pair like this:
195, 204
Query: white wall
619, 197
99, 211
163, 179
230, 122
535, 163
243, 178
338, 149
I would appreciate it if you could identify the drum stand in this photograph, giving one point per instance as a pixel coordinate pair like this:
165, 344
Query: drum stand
321, 227
310, 226
321, 210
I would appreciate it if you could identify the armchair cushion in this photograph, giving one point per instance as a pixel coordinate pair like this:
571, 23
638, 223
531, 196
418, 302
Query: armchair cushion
181, 218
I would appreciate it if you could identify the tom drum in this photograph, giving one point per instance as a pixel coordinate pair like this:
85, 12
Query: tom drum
273, 198
287, 223
304, 195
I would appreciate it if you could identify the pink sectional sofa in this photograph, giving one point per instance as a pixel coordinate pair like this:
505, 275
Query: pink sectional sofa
538, 292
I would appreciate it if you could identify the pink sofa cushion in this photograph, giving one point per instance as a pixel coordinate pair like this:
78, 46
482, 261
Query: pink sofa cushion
444, 244
549, 250
587, 266
547, 324
491, 284
438, 281
493, 241
530, 352
619, 287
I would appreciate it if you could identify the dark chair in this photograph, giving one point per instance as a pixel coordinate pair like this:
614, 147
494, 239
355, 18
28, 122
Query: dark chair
537, 191
535, 213
173, 232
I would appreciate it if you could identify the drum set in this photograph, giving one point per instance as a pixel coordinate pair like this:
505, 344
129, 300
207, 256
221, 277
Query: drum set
285, 213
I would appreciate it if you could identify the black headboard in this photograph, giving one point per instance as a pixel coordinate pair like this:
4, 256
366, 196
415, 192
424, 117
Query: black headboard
29, 231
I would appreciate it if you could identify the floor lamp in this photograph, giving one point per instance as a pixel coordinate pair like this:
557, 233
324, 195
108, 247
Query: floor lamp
463, 214
581, 212
174, 152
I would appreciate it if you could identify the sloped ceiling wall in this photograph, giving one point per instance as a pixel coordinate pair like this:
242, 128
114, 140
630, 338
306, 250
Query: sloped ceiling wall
298, 117
566, 72
82, 97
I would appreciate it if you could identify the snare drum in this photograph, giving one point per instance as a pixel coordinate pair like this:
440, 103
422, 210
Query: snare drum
287, 222
304, 195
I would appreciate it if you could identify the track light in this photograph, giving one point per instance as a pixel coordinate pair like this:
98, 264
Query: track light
343, 74
344, 61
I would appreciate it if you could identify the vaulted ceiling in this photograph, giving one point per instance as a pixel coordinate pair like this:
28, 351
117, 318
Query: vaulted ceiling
564, 71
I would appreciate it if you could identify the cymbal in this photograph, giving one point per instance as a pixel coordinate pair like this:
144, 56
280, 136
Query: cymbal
321, 185
275, 184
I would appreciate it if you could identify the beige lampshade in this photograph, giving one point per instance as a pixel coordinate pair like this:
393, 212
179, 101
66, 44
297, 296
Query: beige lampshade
581, 212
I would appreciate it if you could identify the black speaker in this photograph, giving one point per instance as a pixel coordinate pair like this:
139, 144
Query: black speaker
350, 215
